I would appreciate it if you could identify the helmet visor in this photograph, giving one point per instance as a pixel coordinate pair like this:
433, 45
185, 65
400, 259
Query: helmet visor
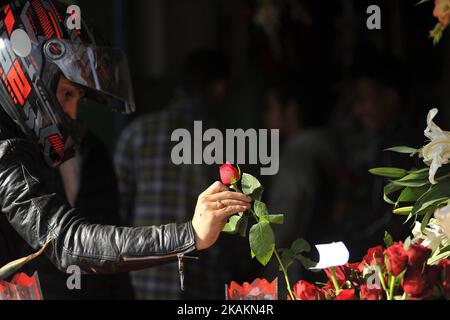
102, 70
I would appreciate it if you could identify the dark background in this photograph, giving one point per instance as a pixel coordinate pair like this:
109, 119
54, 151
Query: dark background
157, 35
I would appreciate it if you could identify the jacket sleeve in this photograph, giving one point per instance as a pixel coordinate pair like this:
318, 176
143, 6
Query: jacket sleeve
40, 216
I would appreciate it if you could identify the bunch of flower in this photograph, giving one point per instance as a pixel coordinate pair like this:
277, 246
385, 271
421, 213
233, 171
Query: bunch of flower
399, 272
260, 233
417, 268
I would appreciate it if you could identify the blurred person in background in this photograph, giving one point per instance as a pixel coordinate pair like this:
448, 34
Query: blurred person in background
291, 104
153, 189
323, 185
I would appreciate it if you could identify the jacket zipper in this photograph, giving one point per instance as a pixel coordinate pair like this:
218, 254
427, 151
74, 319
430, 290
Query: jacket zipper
180, 257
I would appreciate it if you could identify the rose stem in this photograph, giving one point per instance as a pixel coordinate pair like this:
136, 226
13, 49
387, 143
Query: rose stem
335, 282
286, 277
391, 287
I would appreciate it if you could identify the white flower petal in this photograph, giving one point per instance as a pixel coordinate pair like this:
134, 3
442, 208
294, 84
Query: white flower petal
437, 152
432, 130
443, 216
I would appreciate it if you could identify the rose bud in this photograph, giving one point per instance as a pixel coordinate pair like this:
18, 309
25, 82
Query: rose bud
228, 174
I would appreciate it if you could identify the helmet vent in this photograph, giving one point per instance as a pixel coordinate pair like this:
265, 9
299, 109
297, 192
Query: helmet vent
54, 49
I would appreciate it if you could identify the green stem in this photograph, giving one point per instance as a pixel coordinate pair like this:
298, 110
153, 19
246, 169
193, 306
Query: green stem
286, 277
391, 287
236, 188
383, 284
335, 282
443, 177
254, 215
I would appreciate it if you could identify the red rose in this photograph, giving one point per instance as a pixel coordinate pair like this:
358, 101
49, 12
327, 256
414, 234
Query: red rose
418, 255
397, 258
348, 294
371, 294
304, 290
433, 273
228, 174
414, 282
419, 285
374, 255
341, 272
445, 265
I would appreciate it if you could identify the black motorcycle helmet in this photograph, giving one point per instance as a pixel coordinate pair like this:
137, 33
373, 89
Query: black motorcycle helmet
38, 44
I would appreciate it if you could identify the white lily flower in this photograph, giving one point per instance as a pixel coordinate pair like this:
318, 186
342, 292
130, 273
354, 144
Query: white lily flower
431, 237
443, 216
437, 152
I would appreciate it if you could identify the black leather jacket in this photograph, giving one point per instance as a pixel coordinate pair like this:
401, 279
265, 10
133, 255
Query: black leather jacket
31, 212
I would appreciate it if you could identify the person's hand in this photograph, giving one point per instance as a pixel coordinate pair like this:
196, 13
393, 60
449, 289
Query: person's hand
214, 207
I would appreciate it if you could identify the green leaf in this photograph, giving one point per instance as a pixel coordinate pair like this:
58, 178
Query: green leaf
249, 184
410, 194
260, 208
394, 173
403, 211
426, 220
443, 172
388, 241
437, 194
389, 189
262, 242
275, 218
404, 150
307, 263
439, 257
243, 226
410, 216
287, 258
415, 179
437, 33
300, 245
251, 187
233, 224
419, 171
14, 266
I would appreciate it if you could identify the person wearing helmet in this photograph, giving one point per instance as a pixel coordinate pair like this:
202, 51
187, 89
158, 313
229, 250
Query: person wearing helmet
45, 69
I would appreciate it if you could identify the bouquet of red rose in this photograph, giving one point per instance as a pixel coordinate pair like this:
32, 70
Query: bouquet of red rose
399, 272
415, 269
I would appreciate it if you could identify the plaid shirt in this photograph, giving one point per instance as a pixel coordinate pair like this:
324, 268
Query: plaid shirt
154, 191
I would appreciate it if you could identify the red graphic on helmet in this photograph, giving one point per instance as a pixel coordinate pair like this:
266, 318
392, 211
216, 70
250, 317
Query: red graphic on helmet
28, 77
